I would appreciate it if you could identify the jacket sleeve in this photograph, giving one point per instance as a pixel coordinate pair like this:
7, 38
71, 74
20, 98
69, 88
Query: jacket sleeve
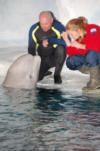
57, 41
31, 42
60, 27
71, 51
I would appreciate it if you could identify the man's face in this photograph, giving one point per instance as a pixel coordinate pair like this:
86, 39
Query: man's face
45, 23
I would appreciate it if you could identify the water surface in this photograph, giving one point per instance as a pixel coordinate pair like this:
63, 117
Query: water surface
48, 120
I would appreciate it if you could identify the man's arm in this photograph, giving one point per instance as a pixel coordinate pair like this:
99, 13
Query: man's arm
60, 28
31, 42
57, 41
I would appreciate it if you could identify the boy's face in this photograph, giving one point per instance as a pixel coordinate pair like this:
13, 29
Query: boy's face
74, 33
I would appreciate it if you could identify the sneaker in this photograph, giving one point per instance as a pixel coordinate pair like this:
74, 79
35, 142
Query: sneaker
57, 79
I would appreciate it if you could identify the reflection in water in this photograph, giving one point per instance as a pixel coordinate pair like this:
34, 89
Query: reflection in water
50, 99
48, 120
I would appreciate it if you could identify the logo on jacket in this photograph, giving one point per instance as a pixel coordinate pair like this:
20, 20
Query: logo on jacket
93, 30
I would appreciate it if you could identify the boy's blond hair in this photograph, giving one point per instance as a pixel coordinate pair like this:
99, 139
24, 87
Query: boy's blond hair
75, 24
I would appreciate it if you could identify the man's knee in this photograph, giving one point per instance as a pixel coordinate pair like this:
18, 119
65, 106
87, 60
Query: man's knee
91, 58
60, 53
61, 50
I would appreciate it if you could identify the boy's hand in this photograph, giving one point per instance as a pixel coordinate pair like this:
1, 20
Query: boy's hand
64, 35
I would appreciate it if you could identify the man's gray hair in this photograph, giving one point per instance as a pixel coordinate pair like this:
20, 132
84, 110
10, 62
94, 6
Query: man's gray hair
48, 13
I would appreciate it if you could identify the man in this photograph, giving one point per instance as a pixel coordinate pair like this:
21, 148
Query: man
42, 41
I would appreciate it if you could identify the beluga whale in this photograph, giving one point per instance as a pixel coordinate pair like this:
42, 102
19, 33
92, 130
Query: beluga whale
23, 73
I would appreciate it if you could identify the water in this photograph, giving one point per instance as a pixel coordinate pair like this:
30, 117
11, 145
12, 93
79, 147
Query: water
50, 118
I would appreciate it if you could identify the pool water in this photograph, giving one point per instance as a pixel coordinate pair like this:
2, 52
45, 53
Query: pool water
48, 120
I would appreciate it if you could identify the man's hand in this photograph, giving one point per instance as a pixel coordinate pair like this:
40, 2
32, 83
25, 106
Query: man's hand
45, 43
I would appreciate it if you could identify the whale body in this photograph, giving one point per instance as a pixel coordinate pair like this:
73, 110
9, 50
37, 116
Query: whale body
23, 73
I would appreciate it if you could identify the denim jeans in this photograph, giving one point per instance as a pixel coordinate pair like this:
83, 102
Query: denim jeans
91, 59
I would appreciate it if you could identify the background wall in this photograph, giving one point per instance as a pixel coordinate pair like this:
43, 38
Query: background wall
16, 16
73, 8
